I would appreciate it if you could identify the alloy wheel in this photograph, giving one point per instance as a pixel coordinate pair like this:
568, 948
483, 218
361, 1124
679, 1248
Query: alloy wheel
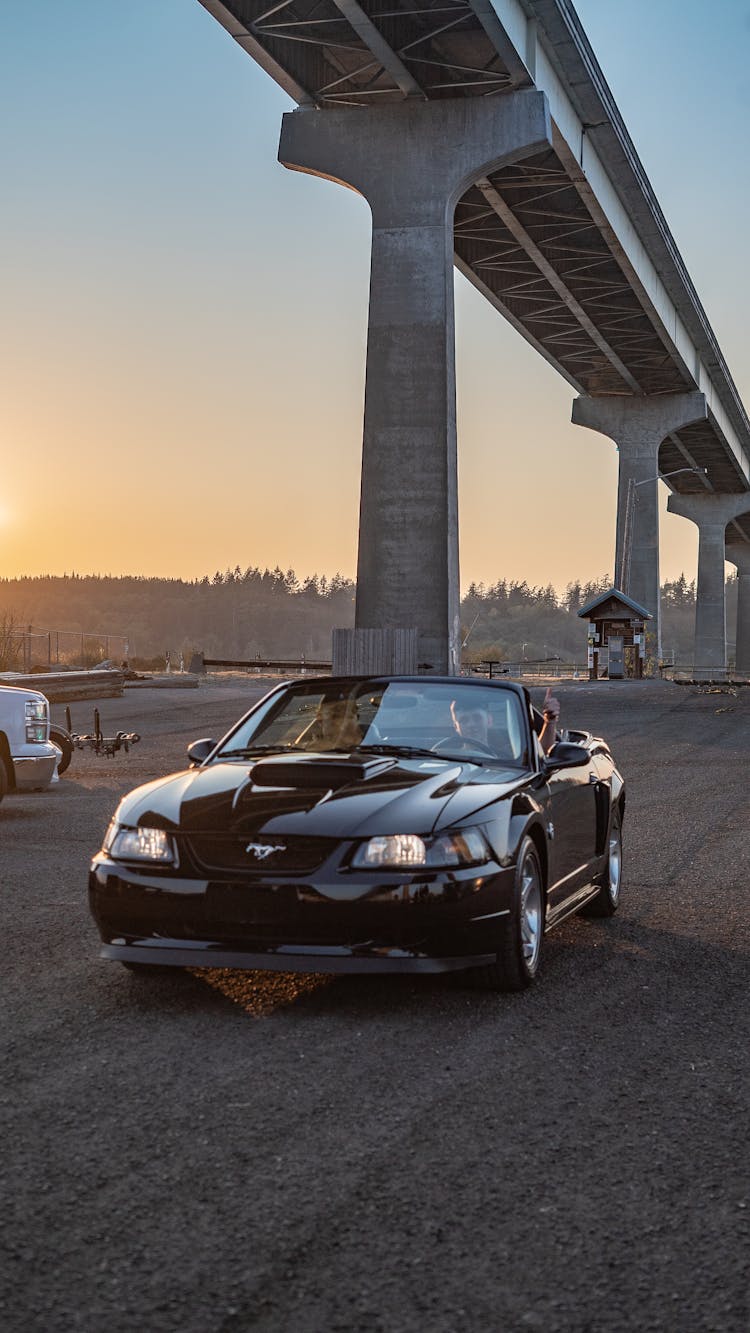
531, 913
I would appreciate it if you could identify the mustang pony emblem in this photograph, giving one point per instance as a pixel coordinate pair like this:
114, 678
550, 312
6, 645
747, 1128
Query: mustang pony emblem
261, 850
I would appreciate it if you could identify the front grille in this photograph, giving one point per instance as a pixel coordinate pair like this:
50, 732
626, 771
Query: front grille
261, 855
284, 914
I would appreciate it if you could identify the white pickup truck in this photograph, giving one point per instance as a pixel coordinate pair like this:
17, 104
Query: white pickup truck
28, 759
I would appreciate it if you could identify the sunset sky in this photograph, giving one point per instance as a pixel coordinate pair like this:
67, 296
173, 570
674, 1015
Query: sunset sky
183, 322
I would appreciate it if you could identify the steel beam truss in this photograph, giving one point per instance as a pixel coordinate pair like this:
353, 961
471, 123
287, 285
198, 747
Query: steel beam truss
528, 236
356, 52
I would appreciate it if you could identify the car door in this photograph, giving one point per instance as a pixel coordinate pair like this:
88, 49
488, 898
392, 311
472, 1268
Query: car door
572, 817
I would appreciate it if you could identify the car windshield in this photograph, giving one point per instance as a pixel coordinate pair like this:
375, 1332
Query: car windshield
449, 720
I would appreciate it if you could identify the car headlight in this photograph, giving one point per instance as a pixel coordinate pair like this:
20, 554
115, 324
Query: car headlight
405, 851
139, 844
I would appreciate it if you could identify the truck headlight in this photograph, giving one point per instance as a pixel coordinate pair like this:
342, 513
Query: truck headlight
37, 718
139, 844
404, 851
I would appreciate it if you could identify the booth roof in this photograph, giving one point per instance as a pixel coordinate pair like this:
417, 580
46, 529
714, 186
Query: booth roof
635, 607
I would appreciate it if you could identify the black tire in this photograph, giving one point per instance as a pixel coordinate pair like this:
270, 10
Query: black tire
61, 739
4, 780
520, 949
609, 881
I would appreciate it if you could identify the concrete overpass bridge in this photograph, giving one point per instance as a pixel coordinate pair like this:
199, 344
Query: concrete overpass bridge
483, 133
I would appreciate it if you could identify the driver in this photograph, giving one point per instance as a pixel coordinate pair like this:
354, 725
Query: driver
473, 723
547, 734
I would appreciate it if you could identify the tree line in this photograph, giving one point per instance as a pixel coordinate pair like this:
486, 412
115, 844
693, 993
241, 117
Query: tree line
510, 620
266, 613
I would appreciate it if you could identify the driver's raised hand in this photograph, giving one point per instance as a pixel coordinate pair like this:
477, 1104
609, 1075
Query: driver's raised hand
550, 706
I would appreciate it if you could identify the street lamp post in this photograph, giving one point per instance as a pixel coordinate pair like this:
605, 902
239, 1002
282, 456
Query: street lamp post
622, 575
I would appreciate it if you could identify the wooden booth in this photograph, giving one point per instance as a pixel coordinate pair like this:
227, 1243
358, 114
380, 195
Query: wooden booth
617, 635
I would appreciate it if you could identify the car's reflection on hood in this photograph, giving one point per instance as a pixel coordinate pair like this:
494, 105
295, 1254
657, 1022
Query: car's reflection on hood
350, 795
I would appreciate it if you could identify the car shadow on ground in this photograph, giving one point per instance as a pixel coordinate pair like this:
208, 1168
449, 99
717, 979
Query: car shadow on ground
261, 994
585, 960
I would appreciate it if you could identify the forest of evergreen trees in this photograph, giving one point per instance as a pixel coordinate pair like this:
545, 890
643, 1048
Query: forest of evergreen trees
511, 620
272, 613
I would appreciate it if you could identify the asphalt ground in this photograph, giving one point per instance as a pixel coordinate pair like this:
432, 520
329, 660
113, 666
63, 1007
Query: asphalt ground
231, 1151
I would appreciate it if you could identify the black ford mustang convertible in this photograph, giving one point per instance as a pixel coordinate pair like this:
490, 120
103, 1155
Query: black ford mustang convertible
386, 824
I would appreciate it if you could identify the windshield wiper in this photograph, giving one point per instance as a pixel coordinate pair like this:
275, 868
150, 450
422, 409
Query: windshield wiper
247, 751
413, 750
407, 750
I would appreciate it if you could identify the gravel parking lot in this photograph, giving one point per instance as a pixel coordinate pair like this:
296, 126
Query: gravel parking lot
218, 1152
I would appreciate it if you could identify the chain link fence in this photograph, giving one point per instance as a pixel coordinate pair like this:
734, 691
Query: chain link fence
25, 650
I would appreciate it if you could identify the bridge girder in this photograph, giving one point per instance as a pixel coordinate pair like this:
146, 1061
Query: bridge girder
532, 237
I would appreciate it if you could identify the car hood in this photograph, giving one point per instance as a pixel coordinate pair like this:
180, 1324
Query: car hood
323, 796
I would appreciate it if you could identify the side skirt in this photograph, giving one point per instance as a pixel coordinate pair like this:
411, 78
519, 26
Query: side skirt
570, 906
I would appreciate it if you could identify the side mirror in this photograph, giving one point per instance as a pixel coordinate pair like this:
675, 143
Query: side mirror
565, 754
200, 750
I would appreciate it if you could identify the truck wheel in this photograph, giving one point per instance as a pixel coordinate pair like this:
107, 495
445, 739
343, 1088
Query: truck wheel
61, 739
4, 783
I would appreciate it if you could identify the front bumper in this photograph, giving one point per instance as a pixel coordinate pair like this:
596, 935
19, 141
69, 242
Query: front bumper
351, 924
37, 770
177, 953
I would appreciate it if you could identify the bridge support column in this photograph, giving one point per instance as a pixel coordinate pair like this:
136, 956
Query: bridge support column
412, 163
711, 513
638, 426
739, 554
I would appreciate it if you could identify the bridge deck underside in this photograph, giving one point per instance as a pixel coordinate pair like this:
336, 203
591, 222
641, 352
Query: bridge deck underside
529, 239
526, 233
436, 47
536, 200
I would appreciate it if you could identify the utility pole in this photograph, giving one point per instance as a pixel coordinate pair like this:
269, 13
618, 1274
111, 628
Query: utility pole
622, 575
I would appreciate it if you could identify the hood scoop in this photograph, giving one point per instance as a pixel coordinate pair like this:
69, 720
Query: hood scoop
317, 772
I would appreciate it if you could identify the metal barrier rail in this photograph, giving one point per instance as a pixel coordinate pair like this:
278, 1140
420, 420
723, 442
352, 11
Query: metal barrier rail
494, 667
199, 664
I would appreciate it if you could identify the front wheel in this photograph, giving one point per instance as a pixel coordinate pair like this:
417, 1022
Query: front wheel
4, 780
61, 740
521, 943
607, 899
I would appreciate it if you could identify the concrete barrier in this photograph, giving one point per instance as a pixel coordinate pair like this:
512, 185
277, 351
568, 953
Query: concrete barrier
182, 681
69, 686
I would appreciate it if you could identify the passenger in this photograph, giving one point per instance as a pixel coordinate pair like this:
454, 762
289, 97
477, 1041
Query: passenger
334, 727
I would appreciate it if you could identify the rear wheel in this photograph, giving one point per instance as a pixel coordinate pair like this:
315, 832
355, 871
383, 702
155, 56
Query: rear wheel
521, 943
4, 779
609, 881
64, 744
